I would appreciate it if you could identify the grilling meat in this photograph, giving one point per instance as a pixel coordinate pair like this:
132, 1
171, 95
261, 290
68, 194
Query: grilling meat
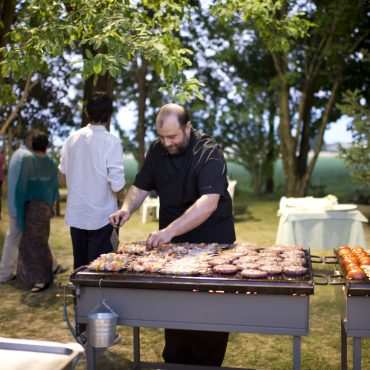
205, 259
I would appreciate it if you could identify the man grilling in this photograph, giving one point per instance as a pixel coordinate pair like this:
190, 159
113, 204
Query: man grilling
188, 171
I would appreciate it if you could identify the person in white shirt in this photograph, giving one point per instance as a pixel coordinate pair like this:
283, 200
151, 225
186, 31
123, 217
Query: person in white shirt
91, 165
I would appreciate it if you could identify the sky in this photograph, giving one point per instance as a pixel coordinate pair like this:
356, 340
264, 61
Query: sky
338, 132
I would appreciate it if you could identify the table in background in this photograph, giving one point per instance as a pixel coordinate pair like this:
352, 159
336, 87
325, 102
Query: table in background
321, 229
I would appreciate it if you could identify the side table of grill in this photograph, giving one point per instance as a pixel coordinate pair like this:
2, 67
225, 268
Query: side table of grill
195, 303
353, 299
355, 322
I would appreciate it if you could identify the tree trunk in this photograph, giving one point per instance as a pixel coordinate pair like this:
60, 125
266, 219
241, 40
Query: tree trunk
142, 70
270, 157
303, 137
287, 142
22, 99
104, 84
323, 125
7, 13
10, 142
8, 139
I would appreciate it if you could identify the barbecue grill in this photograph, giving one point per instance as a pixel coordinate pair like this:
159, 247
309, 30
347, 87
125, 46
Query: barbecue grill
276, 305
353, 297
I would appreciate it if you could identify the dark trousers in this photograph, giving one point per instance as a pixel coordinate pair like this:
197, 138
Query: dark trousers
90, 244
194, 347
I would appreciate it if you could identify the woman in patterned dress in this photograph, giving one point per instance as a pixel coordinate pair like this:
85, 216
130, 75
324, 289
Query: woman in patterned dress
36, 192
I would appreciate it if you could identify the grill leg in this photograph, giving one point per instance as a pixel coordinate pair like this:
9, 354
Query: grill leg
296, 352
343, 341
136, 331
90, 352
356, 353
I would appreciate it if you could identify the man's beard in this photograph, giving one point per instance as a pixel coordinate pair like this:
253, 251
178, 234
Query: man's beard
179, 148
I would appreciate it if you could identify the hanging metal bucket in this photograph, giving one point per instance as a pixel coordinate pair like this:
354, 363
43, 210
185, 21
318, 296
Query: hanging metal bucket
102, 329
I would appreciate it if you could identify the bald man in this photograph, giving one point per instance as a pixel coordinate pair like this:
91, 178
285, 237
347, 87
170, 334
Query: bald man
188, 171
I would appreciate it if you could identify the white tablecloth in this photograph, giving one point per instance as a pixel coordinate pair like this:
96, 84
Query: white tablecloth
321, 229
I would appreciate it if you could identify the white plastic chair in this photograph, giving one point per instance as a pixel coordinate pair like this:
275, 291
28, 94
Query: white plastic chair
148, 204
231, 188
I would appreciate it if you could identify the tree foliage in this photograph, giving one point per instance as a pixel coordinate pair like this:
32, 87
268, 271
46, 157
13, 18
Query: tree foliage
314, 46
257, 59
101, 43
245, 132
357, 157
112, 32
139, 88
240, 102
43, 99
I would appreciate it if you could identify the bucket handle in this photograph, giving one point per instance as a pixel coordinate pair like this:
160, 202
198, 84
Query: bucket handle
103, 301
101, 289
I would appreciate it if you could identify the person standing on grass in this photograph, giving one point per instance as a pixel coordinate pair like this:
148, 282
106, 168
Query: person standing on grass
2, 175
188, 171
91, 166
8, 265
35, 195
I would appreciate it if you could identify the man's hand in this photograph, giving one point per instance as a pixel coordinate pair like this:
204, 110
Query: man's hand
131, 203
158, 238
119, 217
192, 218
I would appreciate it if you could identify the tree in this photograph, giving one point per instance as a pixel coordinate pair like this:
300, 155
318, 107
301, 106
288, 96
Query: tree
357, 157
7, 14
7, 97
39, 100
111, 33
139, 86
106, 39
313, 46
244, 132
240, 103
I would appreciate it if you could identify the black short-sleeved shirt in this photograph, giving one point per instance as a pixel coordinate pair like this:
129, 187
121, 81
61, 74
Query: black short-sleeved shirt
180, 180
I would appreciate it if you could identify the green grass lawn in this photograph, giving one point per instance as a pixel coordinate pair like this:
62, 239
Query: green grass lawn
26, 315
40, 316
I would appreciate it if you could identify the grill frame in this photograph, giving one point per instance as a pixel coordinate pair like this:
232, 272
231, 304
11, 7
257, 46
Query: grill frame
277, 306
353, 297
279, 284
359, 288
